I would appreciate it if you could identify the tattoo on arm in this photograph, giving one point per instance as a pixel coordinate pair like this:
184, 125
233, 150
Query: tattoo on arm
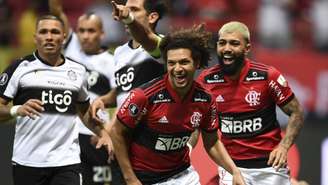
295, 122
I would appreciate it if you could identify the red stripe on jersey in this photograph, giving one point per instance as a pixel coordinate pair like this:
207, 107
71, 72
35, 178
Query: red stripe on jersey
260, 65
155, 87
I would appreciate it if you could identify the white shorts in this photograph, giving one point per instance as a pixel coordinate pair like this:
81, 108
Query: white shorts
188, 176
256, 176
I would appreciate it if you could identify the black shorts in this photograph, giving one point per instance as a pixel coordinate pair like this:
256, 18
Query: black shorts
95, 168
64, 175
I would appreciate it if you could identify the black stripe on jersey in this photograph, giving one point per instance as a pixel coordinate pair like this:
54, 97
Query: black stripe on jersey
148, 178
290, 98
215, 78
153, 86
162, 96
54, 100
7, 74
146, 86
158, 141
248, 124
98, 83
200, 96
130, 77
256, 75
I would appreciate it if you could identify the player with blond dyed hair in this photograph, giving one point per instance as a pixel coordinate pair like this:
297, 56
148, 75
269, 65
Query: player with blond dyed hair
246, 94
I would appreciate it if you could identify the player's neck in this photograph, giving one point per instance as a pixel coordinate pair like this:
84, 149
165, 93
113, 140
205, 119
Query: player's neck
236, 75
53, 60
135, 44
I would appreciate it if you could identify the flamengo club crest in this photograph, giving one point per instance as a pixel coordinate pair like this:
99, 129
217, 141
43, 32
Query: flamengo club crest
253, 98
195, 119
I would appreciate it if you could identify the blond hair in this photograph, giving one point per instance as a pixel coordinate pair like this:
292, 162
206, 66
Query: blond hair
236, 26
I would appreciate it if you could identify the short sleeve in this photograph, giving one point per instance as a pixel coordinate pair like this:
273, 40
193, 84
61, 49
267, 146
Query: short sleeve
211, 123
133, 108
9, 81
279, 89
83, 95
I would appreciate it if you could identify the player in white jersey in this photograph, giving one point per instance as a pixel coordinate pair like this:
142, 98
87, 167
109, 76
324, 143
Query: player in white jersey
84, 46
135, 64
48, 92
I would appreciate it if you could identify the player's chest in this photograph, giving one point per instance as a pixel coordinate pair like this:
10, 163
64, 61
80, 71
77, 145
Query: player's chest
241, 96
62, 79
174, 117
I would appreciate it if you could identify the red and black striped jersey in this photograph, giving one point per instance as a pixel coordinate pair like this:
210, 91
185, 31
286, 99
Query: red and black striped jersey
162, 124
247, 108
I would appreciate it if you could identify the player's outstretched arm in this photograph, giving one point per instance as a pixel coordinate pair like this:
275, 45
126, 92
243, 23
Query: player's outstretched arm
141, 33
56, 8
220, 156
278, 157
120, 135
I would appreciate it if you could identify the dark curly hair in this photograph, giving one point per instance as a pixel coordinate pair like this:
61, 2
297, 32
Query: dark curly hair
196, 39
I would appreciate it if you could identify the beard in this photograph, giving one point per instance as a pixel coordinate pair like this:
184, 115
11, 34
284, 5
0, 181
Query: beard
232, 69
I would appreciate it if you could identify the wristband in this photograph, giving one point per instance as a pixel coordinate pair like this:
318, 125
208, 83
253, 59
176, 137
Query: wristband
129, 19
13, 110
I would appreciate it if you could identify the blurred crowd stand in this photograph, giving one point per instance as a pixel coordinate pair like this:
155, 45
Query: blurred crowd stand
274, 24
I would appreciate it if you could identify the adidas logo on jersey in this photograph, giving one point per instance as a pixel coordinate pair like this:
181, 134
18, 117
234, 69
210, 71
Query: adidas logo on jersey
219, 98
163, 120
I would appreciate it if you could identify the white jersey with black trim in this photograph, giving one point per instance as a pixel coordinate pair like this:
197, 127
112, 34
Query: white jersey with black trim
100, 69
133, 67
52, 139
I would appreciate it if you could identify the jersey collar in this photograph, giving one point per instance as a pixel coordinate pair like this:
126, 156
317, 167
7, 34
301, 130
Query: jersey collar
243, 72
36, 54
175, 95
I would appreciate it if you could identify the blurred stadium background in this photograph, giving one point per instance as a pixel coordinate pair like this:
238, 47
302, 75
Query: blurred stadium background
291, 35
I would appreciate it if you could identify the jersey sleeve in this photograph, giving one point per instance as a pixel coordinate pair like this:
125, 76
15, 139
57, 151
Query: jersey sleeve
9, 81
83, 95
201, 79
156, 53
211, 123
279, 89
132, 110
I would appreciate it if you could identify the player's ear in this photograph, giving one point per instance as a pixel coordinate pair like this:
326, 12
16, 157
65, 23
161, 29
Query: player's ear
153, 17
34, 38
247, 48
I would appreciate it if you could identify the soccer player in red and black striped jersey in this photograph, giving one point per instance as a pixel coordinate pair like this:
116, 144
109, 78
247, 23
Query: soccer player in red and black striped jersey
246, 94
155, 122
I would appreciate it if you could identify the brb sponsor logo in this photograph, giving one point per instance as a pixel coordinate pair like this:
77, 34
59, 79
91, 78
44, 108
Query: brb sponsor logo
171, 143
61, 101
125, 79
241, 126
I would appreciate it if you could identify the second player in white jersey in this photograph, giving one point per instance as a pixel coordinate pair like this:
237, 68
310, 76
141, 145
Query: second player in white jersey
133, 67
100, 70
